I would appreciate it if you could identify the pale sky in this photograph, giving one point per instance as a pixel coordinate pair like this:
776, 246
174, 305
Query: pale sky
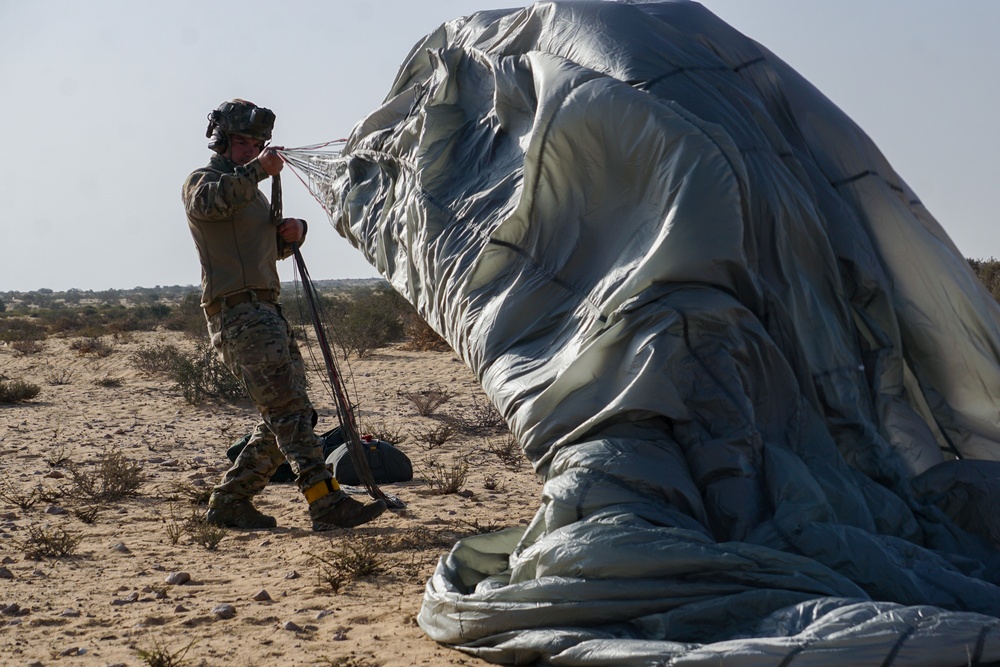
103, 107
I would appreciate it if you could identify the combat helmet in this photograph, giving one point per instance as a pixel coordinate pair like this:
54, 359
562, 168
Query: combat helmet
238, 117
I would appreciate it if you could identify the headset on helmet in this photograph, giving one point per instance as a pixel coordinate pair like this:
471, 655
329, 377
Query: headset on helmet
238, 117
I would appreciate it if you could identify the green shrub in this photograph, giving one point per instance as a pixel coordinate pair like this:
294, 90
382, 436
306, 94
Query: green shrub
359, 322
15, 329
156, 359
203, 375
188, 317
17, 391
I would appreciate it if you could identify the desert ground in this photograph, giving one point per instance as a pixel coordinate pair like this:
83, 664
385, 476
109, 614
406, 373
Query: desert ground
140, 581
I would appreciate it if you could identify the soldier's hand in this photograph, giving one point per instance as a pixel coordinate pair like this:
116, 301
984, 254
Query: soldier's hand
270, 160
292, 230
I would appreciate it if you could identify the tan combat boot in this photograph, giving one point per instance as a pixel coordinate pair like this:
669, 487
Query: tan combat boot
238, 514
331, 508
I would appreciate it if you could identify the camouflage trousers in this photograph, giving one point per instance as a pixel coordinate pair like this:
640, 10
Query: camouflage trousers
257, 345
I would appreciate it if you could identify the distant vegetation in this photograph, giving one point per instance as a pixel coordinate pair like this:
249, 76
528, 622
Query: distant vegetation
360, 316
988, 271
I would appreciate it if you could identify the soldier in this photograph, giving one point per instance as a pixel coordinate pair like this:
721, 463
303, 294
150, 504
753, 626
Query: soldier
239, 247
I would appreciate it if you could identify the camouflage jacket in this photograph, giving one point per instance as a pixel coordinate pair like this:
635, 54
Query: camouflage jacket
230, 221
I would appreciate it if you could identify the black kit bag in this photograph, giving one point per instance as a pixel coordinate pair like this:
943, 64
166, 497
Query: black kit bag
284, 475
388, 464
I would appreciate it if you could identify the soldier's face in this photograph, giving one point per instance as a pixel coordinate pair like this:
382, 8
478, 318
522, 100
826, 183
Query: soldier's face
243, 149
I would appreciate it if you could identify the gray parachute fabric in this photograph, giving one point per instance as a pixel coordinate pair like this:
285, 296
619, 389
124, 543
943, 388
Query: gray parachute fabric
760, 382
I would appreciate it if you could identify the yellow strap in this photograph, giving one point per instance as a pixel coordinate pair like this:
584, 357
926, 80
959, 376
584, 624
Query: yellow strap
317, 491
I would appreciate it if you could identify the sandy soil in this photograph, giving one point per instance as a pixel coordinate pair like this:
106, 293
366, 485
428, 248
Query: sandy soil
110, 600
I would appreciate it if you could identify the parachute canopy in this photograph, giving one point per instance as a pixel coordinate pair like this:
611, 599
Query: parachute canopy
759, 380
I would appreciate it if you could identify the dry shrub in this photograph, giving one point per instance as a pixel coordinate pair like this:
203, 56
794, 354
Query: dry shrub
108, 381
446, 479
114, 477
422, 338
481, 417
206, 534
437, 436
27, 347
48, 542
58, 456
490, 526
17, 496
493, 483
507, 450
59, 376
195, 495
380, 430
17, 391
87, 512
96, 346
351, 560
427, 401
160, 656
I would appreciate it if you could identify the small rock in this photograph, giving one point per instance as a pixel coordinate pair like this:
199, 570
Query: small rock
123, 587
261, 596
178, 578
69, 613
55, 509
324, 614
311, 628
292, 626
11, 609
7, 560
146, 589
71, 651
198, 483
180, 609
154, 459
121, 548
292, 575
129, 599
37, 573
264, 543
160, 595
224, 610
5, 573
340, 635
54, 474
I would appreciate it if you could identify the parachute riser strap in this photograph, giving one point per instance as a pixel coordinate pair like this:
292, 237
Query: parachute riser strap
345, 413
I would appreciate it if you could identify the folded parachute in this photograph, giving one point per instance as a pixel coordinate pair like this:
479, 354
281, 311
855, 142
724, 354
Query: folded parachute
760, 382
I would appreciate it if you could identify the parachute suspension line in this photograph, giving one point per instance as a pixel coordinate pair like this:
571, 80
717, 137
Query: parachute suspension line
313, 161
345, 412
